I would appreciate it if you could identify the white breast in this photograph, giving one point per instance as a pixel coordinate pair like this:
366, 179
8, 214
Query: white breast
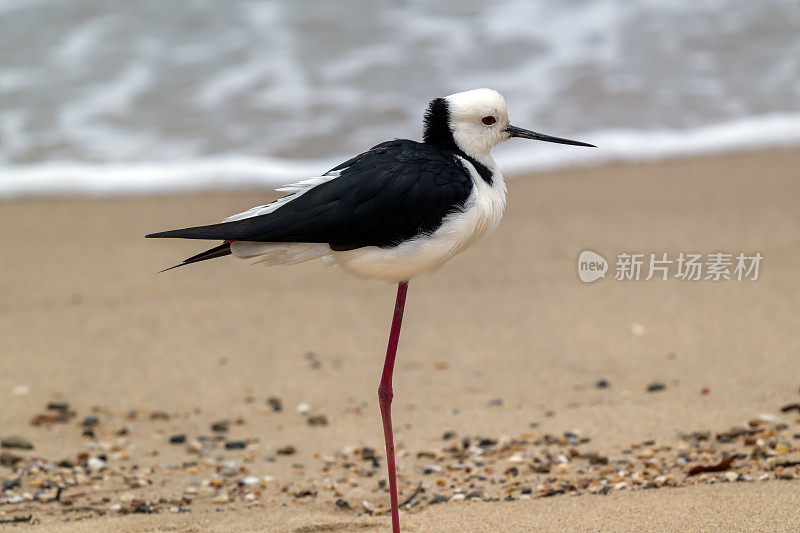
481, 215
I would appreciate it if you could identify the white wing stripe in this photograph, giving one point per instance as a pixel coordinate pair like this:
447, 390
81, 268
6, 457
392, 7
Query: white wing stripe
295, 189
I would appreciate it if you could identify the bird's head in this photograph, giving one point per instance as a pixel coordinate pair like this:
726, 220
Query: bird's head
475, 122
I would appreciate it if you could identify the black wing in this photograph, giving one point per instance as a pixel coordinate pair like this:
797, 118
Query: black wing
393, 192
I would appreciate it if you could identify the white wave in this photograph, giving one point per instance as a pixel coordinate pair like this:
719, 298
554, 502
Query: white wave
515, 158
81, 42
16, 80
129, 81
71, 178
751, 133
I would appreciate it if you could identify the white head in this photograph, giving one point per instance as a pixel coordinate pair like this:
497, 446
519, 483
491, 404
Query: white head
474, 122
478, 120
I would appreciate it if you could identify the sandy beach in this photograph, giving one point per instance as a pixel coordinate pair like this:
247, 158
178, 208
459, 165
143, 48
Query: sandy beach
504, 345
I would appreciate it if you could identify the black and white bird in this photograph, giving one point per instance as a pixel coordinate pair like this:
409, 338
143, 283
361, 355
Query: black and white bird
398, 210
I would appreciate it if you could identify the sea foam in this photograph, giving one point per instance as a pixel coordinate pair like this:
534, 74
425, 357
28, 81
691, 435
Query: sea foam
134, 97
516, 158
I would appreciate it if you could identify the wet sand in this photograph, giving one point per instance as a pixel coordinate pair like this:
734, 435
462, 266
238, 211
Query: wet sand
504, 343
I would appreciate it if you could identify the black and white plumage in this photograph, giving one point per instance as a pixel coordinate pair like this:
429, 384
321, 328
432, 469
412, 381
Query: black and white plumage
393, 212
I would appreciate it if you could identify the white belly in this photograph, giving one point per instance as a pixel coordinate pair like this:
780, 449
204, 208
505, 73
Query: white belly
482, 213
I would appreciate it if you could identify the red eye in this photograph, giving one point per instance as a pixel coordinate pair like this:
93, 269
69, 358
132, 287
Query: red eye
488, 120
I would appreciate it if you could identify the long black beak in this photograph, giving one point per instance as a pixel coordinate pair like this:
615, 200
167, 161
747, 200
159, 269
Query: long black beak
514, 131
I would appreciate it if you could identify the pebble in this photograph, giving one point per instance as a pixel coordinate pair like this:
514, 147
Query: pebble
15, 441
9, 459
368, 454
601, 384
275, 403
250, 480
303, 408
195, 446
12, 483
781, 449
229, 469
91, 421
287, 450
95, 464
317, 420
368, 506
342, 504
656, 387
596, 459
220, 426
221, 498
62, 407
469, 467
495, 402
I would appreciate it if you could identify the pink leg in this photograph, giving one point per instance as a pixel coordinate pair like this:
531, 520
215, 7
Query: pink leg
385, 396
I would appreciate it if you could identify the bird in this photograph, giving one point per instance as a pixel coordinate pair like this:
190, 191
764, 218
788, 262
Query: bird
398, 210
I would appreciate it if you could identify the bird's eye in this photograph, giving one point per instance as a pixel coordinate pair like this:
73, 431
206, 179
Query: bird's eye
488, 120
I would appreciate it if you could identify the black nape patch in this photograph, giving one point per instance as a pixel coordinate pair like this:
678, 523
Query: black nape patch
437, 132
437, 126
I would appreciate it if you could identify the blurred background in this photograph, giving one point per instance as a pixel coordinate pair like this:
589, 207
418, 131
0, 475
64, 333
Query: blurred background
140, 96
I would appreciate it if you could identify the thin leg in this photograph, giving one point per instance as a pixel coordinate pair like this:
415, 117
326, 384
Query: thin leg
385, 396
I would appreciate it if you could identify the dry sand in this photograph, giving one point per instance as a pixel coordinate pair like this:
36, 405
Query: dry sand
85, 317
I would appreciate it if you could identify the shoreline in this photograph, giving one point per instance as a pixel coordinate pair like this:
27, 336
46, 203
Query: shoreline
215, 174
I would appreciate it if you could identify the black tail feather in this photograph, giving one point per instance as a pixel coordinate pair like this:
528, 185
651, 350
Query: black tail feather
218, 251
234, 230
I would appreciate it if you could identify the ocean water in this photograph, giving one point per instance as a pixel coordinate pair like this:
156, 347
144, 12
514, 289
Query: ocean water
113, 96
